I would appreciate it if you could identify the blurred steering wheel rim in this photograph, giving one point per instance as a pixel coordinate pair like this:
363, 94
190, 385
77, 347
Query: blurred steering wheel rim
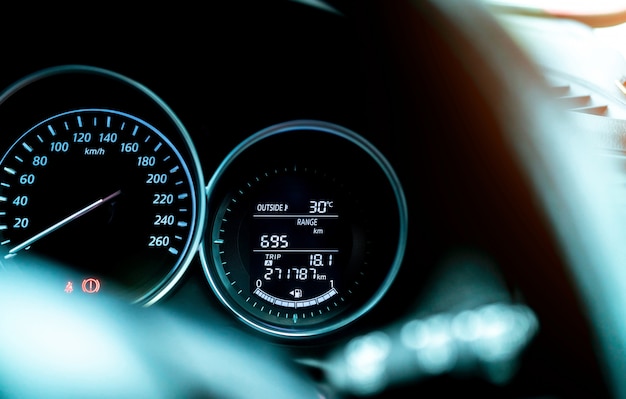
571, 183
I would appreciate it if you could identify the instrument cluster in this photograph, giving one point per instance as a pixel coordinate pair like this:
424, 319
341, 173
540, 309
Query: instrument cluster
300, 230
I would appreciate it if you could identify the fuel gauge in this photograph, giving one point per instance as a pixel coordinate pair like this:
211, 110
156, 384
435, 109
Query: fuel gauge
302, 243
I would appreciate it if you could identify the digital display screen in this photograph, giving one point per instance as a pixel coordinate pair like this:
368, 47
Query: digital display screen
300, 242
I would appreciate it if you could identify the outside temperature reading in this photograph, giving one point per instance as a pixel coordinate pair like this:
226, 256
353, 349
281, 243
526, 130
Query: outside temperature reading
320, 206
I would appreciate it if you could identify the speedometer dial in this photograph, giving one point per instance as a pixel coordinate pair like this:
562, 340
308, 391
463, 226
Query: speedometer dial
106, 194
302, 243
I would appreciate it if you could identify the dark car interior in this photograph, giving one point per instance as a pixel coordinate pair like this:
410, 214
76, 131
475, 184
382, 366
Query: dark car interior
290, 199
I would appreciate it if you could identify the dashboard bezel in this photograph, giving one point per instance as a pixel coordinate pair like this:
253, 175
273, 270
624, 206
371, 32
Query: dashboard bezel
214, 274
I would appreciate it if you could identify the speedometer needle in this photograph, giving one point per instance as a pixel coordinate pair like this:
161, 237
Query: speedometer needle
63, 222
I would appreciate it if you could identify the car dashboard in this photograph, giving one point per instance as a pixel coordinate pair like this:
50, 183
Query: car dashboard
321, 204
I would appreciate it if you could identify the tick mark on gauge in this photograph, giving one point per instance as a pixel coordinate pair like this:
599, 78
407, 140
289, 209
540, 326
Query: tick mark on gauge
182, 224
79, 120
3, 199
4, 227
173, 251
27, 147
183, 196
108, 121
18, 159
219, 241
51, 130
157, 147
5, 242
66, 125
174, 169
39, 138
9, 170
123, 126
147, 139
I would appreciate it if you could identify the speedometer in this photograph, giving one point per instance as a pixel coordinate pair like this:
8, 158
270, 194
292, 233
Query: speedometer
103, 192
301, 242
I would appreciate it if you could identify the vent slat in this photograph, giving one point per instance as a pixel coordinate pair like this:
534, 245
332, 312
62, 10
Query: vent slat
560, 90
582, 97
600, 110
575, 101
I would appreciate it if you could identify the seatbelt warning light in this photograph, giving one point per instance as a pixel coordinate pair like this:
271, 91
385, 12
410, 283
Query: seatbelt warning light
69, 288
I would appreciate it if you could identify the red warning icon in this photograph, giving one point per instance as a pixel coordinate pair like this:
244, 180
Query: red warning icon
69, 288
91, 285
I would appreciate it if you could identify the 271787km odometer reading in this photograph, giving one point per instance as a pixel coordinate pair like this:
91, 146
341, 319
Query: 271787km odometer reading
102, 192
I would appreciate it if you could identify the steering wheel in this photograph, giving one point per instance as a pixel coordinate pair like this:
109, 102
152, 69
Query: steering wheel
565, 190
483, 129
